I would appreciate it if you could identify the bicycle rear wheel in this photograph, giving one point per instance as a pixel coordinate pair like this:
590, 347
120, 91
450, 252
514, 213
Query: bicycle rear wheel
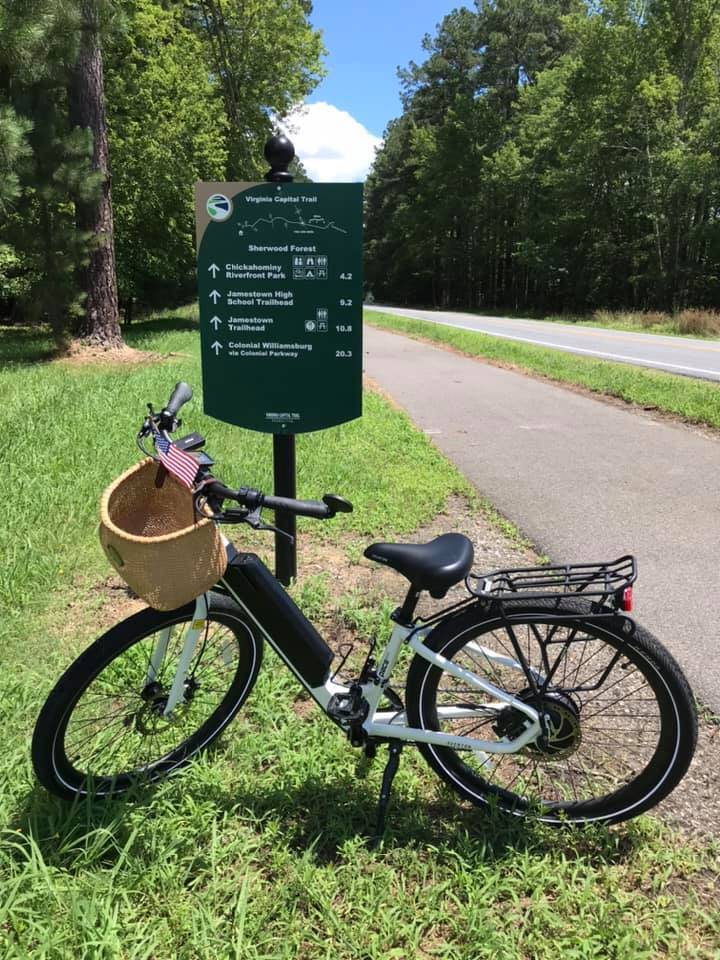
620, 720
103, 730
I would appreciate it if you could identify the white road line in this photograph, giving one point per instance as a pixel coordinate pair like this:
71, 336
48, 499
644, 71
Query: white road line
571, 349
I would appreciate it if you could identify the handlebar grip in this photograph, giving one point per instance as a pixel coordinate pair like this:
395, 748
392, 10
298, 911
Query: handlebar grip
302, 508
180, 395
217, 489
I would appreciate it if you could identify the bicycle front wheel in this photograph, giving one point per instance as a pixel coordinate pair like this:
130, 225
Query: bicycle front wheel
103, 728
619, 720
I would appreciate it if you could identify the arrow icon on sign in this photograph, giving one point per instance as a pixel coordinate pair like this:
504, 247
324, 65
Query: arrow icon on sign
214, 296
214, 269
215, 321
217, 347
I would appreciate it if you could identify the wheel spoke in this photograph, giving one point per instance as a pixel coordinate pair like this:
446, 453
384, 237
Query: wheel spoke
115, 732
599, 739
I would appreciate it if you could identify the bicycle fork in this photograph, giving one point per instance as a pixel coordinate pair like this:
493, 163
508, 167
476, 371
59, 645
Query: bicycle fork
177, 688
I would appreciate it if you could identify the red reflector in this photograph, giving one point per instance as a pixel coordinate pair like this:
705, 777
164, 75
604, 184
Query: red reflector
627, 599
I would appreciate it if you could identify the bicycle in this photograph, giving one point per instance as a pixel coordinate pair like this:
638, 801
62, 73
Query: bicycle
536, 692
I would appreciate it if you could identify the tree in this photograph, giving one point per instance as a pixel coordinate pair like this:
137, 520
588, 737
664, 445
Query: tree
266, 56
100, 325
37, 45
168, 129
555, 154
193, 90
55, 180
13, 150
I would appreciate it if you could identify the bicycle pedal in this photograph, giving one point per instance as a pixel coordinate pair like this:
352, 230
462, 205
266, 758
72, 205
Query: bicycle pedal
348, 708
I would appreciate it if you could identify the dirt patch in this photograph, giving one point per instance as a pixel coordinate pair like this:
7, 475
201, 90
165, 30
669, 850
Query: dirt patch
79, 354
694, 806
91, 611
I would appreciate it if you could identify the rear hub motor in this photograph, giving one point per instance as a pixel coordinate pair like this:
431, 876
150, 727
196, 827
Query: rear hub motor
560, 721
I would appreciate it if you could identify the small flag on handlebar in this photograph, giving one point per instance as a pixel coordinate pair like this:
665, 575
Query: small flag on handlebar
176, 461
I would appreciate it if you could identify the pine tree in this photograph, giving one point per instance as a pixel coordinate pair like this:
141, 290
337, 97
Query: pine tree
50, 228
100, 324
13, 150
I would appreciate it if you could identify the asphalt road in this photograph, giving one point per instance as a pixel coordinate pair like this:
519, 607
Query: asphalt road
584, 479
691, 358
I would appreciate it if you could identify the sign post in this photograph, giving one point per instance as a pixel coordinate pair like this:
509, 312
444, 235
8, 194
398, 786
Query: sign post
280, 292
279, 153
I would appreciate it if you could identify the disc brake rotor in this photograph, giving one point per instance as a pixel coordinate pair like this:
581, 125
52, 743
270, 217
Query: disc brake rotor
560, 719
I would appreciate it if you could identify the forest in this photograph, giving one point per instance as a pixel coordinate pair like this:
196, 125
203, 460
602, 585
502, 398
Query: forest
110, 110
551, 155
554, 155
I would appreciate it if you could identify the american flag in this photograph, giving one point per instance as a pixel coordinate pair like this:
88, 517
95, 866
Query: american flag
177, 462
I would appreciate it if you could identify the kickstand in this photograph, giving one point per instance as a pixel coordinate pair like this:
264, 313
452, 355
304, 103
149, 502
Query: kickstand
395, 749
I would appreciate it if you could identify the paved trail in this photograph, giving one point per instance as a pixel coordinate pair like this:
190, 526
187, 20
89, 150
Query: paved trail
584, 479
681, 355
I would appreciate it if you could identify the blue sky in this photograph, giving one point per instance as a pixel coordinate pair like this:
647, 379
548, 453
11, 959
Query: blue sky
366, 44
346, 115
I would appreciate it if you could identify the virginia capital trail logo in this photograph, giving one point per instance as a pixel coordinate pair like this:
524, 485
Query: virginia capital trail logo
219, 207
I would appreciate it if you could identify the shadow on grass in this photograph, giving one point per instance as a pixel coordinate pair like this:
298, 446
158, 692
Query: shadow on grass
323, 816
23, 344
141, 329
316, 815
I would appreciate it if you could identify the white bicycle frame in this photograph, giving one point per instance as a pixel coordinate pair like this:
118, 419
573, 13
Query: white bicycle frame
382, 723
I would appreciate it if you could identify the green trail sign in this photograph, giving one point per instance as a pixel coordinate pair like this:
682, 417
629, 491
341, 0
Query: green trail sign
280, 287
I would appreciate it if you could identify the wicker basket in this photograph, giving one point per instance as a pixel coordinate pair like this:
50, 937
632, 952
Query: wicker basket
152, 536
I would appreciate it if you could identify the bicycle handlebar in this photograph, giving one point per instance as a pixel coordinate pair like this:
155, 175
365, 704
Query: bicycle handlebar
252, 500
302, 508
323, 509
180, 395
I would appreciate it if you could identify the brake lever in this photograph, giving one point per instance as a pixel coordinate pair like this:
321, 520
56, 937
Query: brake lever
253, 518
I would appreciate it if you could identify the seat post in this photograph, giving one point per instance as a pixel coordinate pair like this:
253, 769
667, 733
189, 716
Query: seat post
406, 612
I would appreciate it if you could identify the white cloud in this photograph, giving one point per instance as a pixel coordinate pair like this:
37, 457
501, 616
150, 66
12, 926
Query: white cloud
332, 145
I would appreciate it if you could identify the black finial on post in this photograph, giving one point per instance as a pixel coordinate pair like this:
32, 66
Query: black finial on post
279, 153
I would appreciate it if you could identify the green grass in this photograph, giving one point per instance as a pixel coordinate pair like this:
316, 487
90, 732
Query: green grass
695, 323
630, 321
69, 430
258, 850
697, 401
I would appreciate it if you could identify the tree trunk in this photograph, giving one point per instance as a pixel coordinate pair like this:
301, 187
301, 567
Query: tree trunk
100, 325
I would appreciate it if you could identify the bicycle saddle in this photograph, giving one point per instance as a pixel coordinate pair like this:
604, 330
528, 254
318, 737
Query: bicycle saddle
433, 566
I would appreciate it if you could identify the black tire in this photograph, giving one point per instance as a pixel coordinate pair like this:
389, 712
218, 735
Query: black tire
584, 772
110, 678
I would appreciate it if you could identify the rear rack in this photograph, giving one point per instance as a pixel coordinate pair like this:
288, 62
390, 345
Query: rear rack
597, 581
